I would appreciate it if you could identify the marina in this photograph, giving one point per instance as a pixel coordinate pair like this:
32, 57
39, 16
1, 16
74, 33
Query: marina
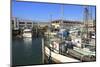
42, 46
57, 40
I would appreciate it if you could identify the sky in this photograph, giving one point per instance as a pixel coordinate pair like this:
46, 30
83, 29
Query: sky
48, 11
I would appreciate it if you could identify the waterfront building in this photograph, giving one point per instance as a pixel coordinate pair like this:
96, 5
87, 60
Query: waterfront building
43, 24
66, 23
18, 23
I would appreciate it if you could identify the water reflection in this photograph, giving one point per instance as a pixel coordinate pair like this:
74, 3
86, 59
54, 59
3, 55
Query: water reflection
27, 41
26, 51
27, 46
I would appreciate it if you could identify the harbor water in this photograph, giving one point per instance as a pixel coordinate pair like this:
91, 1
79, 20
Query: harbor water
26, 51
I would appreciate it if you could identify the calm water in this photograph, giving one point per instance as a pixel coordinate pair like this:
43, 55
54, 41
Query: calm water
26, 51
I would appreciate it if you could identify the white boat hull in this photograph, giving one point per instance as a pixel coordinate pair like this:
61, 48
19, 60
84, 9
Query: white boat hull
27, 35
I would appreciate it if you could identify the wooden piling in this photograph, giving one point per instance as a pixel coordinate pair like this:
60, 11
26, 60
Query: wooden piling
43, 50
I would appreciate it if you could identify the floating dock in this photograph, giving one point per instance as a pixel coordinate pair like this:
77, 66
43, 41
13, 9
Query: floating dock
58, 58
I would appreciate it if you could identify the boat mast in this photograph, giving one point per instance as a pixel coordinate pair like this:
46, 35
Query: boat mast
85, 30
62, 14
50, 48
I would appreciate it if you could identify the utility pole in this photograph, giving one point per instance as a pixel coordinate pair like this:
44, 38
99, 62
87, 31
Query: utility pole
50, 20
37, 29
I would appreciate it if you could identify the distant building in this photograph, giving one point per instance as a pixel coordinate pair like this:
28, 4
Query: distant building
18, 23
43, 24
65, 23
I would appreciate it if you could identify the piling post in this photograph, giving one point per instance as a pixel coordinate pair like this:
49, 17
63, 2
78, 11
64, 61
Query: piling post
43, 50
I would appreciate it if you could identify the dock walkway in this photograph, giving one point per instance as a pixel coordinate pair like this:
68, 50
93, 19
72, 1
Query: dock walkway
58, 58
